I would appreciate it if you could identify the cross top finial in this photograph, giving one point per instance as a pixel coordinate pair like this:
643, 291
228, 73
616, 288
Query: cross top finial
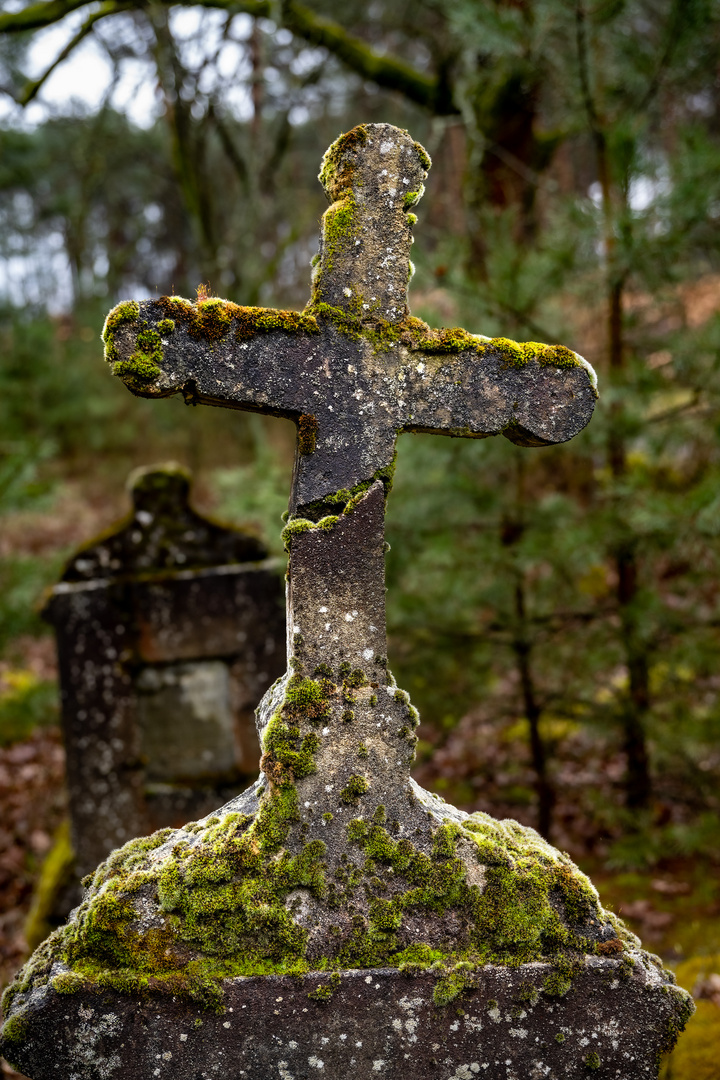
373, 176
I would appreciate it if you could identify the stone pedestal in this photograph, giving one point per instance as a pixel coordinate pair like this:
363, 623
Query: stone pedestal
366, 1025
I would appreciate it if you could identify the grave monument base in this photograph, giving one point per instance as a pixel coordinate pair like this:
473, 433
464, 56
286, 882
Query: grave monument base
382, 1023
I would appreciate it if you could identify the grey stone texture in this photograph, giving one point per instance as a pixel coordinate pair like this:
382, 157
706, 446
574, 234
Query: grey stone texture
376, 1024
169, 627
335, 919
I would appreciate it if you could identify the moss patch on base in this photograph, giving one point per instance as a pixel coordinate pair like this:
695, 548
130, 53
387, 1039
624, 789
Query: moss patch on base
177, 912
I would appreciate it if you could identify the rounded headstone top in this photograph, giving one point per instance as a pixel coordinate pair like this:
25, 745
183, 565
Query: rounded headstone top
166, 484
162, 533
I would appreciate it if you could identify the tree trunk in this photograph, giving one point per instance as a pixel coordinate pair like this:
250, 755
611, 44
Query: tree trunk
637, 778
543, 787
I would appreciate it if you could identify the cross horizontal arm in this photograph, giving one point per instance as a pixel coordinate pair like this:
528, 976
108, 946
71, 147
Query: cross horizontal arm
533, 394
213, 352
351, 387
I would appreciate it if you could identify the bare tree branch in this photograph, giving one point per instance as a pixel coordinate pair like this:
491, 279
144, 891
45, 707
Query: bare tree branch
35, 16
391, 73
31, 89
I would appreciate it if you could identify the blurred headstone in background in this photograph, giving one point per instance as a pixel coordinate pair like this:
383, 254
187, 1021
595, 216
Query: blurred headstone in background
170, 627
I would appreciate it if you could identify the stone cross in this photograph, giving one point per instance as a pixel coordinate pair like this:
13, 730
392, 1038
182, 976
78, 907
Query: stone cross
335, 920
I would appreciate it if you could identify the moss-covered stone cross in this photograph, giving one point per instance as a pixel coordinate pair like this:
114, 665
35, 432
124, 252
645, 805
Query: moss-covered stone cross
385, 903
353, 371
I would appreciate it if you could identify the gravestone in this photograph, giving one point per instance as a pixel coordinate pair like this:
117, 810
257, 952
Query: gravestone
169, 627
336, 920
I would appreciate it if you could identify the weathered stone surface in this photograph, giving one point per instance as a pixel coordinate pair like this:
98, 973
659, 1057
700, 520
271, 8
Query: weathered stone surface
355, 366
335, 860
375, 1024
168, 628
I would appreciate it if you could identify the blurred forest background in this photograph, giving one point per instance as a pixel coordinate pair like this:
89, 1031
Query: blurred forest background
555, 614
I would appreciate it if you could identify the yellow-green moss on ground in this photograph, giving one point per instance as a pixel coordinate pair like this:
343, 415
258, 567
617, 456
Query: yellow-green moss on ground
697, 1053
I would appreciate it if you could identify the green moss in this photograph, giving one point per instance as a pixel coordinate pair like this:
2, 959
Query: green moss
348, 715
559, 1038
362, 750
15, 1029
128, 311
222, 894
417, 958
559, 982
592, 1061
355, 787
166, 326
417, 336
55, 875
347, 323
286, 756
514, 918
347, 499
307, 434
511, 352
676, 1024
296, 526
68, 982
425, 159
339, 230
324, 992
355, 679
223, 887
338, 163
411, 198
143, 365
528, 994
457, 979
211, 319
